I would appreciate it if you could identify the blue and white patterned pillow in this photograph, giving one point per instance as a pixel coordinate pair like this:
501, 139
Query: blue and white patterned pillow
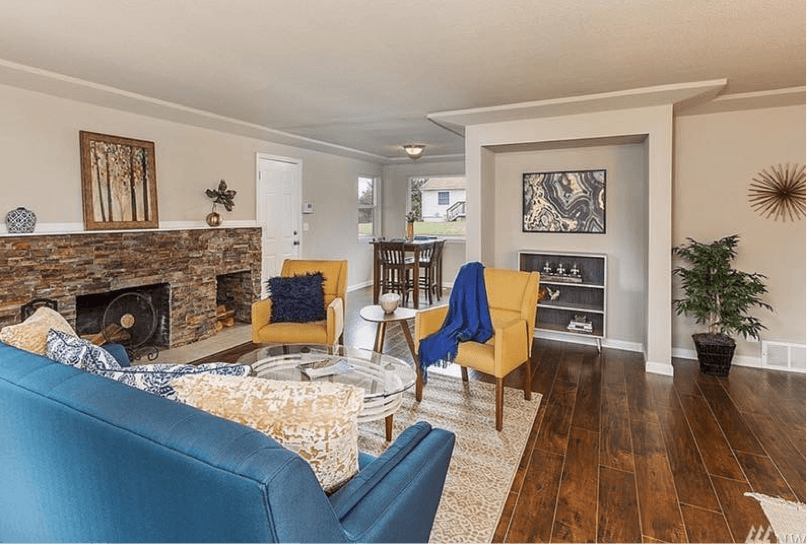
74, 351
77, 352
155, 378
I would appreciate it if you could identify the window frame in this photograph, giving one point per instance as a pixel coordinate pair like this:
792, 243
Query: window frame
411, 179
376, 182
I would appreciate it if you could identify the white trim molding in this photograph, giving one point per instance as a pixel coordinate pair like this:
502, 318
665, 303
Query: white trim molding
665, 369
578, 339
739, 360
358, 286
57, 228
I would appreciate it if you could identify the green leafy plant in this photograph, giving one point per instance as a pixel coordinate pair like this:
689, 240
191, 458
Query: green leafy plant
411, 217
222, 196
714, 292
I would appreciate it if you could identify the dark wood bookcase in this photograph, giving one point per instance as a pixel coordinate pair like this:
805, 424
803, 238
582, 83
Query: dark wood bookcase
576, 299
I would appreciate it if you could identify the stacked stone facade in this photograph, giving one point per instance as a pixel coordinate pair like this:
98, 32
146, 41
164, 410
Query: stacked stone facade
63, 266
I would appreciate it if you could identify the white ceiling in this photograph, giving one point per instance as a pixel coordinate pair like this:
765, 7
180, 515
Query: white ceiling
364, 74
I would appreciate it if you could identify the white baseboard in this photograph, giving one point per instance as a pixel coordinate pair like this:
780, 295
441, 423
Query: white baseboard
358, 286
665, 369
739, 360
577, 339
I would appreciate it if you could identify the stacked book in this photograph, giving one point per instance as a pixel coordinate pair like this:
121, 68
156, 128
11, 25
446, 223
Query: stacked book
580, 323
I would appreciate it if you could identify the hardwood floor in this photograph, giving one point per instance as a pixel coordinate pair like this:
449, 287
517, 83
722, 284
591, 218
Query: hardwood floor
619, 455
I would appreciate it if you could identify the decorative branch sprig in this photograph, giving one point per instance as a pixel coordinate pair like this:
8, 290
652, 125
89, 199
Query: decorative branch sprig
222, 196
779, 193
411, 217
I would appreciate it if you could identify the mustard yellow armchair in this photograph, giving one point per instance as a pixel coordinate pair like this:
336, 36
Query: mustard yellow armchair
513, 300
328, 331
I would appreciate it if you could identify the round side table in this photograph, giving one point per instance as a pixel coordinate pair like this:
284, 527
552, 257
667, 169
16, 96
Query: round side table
375, 314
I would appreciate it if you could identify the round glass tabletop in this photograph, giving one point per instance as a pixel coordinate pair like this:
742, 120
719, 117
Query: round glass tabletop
377, 374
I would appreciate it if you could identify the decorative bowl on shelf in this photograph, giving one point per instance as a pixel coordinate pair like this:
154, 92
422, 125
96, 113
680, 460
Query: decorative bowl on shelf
389, 302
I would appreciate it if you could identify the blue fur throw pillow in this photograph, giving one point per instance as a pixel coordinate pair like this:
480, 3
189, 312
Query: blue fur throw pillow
297, 298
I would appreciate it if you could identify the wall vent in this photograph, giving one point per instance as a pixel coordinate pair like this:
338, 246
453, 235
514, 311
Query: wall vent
783, 356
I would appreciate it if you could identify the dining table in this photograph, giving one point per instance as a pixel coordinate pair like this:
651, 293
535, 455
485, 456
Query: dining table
415, 247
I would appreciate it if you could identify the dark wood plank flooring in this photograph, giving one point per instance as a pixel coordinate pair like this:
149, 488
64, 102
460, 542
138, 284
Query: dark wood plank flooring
619, 455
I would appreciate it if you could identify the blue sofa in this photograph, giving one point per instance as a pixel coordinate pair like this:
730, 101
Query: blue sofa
84, 458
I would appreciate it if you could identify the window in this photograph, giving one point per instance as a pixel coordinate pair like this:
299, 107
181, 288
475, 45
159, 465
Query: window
367, 205
439, 205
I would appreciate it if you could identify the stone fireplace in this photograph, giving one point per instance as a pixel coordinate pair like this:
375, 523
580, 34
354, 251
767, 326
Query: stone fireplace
186, 271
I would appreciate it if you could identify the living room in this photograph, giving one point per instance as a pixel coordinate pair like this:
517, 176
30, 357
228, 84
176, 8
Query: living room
683, 115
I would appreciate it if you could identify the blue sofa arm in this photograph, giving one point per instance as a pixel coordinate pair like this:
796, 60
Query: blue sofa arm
394, 499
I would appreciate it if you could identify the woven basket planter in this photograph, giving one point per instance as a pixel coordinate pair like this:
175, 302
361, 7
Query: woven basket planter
715, 352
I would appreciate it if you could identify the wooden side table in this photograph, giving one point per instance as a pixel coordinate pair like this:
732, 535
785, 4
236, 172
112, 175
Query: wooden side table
375, 314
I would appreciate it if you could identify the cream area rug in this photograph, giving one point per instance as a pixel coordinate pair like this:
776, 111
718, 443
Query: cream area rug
484, 461
787, 518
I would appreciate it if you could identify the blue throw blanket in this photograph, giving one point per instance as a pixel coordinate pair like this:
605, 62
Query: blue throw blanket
468, 318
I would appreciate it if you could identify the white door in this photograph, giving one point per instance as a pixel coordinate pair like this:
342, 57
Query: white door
279, 187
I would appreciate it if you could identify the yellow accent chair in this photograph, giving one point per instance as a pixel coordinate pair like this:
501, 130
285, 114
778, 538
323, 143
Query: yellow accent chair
328, 331
512, 299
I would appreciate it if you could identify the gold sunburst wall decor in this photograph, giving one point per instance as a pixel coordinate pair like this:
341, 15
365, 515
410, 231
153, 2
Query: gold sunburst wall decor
779, 193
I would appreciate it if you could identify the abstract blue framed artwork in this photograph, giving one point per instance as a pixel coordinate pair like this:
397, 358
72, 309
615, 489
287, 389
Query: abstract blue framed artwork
564, 202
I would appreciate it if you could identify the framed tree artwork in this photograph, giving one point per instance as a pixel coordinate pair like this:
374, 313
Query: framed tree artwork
564, 202
118, 182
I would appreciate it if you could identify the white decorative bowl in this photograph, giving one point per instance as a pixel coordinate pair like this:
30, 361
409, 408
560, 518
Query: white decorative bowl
389, 302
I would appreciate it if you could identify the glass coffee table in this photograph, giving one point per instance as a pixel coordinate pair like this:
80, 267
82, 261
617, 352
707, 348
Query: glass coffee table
383, 378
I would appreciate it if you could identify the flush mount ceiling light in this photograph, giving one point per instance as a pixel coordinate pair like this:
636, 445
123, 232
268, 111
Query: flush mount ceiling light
414, 150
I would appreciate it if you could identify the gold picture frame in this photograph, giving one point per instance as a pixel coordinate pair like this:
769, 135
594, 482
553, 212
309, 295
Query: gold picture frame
118, 182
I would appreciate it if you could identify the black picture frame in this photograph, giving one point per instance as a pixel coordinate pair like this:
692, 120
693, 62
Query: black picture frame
564, 202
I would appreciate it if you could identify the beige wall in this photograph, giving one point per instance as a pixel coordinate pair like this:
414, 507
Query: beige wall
40, 169
623, 241
395, 190
716, 157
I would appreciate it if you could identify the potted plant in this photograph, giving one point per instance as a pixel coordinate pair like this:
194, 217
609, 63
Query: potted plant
222, 196
410, 217
720, 296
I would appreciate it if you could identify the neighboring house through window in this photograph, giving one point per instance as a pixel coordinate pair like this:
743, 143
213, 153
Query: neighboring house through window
367, 205
439, 204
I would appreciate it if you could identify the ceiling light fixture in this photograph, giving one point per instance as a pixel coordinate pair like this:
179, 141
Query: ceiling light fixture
414, 150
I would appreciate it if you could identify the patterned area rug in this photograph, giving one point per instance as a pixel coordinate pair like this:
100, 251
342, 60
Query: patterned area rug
787, 518
484, 462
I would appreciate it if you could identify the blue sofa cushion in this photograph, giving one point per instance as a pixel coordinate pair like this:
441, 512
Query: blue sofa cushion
74, 351
297, 299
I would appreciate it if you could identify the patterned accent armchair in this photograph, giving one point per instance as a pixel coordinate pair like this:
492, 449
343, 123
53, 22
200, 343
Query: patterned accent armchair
328, 331
513, 301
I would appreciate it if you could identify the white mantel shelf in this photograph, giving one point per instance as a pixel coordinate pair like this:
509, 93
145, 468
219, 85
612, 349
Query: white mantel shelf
59, 229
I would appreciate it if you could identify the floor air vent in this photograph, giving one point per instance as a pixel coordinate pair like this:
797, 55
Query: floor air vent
783, 356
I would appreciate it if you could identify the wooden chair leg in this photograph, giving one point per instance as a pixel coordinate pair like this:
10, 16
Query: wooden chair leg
499, 402
528, 379
464, 373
